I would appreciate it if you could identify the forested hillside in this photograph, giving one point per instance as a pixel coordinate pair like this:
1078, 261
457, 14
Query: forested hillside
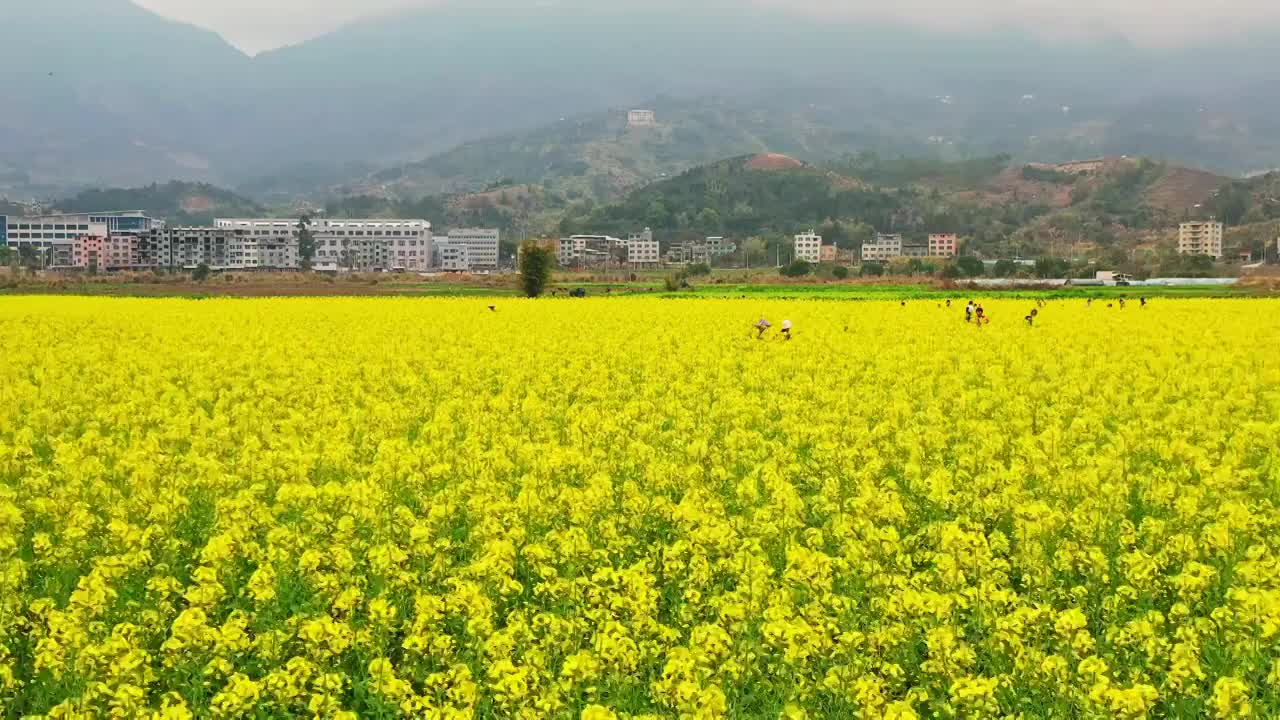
999, 206
179, 203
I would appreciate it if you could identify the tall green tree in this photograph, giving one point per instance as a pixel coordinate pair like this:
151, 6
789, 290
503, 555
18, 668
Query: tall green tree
536, 262
27, 257
970, 266
306, 242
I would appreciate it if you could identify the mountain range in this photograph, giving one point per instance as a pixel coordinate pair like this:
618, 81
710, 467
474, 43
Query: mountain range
102, 92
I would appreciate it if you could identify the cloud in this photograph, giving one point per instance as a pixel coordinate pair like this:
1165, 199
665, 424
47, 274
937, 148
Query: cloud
256, 25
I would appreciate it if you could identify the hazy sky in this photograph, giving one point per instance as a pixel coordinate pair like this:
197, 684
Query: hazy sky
256, 25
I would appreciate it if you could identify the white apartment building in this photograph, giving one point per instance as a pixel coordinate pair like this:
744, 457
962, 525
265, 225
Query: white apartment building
885, 247
808, 247
355, 244
643, 253
641, 118
719, 247
569, 251
482, 246
643, 235
642, 249
1200, 238
943, 245
261, 244
452, 256
246, 252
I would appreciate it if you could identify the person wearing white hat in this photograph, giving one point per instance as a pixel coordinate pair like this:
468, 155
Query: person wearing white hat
786, 329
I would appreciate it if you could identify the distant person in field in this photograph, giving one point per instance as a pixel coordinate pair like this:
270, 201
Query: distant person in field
1031, 317
761, 326
1143, 301
786, 329
981, 315
948, 302
968, 312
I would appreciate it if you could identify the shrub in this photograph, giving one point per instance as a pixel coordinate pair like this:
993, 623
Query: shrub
970, 266
796, 268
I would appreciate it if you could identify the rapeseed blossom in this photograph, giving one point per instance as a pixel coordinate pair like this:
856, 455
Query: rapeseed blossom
634, 509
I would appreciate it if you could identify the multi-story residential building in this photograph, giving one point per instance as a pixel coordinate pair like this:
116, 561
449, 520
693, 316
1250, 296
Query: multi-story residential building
580, 251
451, 256
151, 249
915, 249
174, 247
52, 237
644, 254
261, 243
356, 244
111, 252
190, 247
246, 252
678, 254
569, 250
371, 255
827, 254
943, 245
884, 248
641, 118
482, 246
60, 254
87, 253
646, 234
719, 247
643, 249
700, 251
808, 247
1200, 238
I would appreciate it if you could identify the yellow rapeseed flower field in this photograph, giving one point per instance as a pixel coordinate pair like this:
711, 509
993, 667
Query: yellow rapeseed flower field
633, 508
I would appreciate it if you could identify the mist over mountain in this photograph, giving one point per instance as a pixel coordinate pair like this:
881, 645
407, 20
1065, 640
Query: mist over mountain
104, 92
